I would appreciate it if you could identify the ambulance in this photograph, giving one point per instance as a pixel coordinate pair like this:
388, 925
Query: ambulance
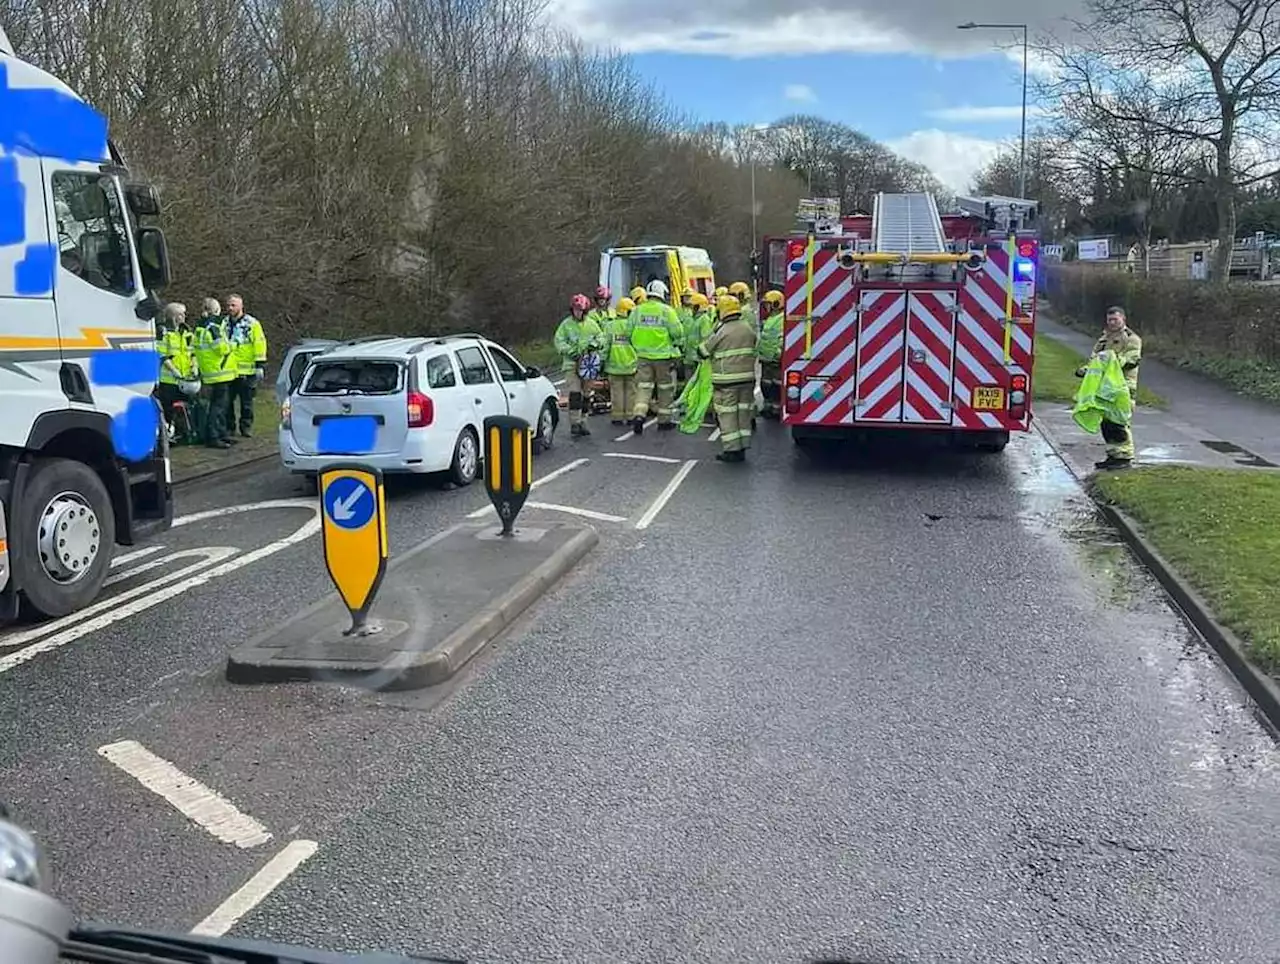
78, 276
681, 268
906, 319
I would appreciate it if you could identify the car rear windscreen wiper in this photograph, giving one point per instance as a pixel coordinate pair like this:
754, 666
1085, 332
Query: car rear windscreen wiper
117, 945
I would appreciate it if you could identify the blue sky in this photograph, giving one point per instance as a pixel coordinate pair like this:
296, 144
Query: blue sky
899, 72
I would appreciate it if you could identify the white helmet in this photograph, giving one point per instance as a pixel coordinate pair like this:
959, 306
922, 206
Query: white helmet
656, 289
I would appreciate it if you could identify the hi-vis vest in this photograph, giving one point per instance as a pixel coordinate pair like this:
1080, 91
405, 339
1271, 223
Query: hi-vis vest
655, 331
175, 346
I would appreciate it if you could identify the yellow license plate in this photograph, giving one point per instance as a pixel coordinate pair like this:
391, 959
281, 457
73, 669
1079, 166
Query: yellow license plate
988, 399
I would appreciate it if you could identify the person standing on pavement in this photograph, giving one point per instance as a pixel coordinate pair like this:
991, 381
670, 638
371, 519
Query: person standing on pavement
217, 370
577, 340
620, 363
249, 347
769, 349
175, 346
732, 350
654, 331
1117, 337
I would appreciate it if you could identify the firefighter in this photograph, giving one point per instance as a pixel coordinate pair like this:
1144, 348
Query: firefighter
719, 293
654, 332
1119, 338
620, 363
732, 350
685, 314
638, 295
217, 367
577, 339
697, 330
742, 291
249, 346
601, 313
769, 348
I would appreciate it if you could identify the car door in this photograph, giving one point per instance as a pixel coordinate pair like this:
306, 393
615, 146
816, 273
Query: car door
485, 393
522, 396
337, 388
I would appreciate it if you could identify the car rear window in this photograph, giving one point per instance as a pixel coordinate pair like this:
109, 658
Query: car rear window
353, 376
298, 367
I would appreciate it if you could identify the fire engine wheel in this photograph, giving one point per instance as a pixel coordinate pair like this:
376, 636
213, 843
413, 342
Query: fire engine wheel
67, 537
548, 418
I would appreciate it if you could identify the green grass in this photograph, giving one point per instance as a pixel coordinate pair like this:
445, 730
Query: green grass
1220, 528
189, 460
540, 353
1054, 379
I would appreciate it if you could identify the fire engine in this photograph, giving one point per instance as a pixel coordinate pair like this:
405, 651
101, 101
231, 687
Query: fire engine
907, 319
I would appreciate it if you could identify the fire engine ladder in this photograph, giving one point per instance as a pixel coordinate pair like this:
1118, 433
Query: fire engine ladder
908, 224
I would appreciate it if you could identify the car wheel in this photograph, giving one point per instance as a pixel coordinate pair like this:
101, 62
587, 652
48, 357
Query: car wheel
69, 531
466, 458
548, 417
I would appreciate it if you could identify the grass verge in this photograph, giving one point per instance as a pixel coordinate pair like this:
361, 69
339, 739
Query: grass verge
540, 353
189, 460
1055, 379
1220, 528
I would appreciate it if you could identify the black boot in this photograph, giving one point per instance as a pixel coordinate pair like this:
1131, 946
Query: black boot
1110, 464
637, 425
666, 426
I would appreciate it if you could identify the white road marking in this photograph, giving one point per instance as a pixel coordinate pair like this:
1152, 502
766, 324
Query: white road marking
632, 434
665, 495
211, 554
135, 554
567, 467
116, 612
574, 510
641, 457
257, 888
715, 434
189, 797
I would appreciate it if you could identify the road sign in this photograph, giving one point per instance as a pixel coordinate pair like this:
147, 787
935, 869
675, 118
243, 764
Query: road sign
508, 470
354, 527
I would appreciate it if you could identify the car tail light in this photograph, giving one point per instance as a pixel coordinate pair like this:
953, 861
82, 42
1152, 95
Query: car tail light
286, 414
421, 410
793, 391
1018, 397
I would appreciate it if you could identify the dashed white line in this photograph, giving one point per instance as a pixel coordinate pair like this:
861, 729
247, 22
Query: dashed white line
257, 888
715, 434
627, 435
189, 797
567, 467
640, 457
665, 495
136, 554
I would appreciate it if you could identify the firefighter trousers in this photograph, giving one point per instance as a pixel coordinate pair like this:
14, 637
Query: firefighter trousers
1119, 439
622, 389
654, 378
771, 386
733, 405
577, 397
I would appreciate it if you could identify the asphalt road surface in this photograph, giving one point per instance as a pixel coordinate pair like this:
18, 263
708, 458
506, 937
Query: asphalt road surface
909, 706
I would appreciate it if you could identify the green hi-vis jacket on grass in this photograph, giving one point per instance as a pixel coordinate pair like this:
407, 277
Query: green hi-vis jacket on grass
1104, 394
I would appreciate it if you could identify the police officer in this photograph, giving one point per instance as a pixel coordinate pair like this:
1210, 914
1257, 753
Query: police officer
249, 348
217, 371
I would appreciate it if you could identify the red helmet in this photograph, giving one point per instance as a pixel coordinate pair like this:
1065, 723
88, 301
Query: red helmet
579, 302
603, 293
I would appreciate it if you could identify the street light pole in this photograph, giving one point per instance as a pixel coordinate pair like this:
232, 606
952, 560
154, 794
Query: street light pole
1022, 153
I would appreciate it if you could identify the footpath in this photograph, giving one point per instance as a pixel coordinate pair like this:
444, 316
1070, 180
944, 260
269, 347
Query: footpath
1204, 423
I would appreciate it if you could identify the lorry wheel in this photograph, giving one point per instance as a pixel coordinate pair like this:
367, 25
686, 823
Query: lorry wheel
68, 536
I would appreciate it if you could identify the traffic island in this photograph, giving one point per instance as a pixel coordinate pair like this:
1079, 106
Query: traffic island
438, 605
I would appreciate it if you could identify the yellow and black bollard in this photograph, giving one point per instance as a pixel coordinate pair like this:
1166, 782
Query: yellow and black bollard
508, 468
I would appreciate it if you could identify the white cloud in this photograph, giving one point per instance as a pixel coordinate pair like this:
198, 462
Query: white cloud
968, 113
799, 92
755, 28
953, 158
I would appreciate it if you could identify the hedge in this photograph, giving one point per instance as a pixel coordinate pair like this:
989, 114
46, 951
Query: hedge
1231, 333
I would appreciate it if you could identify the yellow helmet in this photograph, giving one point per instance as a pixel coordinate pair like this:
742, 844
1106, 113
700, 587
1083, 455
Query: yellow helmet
637, 294
700, 300
739, 289
727, 306
721, 291
624, 306
773, 297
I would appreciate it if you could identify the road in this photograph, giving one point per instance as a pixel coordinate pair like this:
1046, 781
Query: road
910, 706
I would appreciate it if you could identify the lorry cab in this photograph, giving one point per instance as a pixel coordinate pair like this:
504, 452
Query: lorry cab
681, 268
77, 273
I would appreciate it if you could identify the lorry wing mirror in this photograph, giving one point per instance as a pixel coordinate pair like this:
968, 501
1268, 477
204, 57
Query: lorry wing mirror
143, 199
153, 255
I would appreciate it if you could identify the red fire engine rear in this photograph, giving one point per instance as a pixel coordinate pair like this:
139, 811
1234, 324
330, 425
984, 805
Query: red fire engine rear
908, 320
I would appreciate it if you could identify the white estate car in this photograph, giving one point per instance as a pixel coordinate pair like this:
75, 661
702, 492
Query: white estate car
428, 397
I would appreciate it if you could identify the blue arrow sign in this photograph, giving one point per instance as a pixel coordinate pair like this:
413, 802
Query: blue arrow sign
349, 503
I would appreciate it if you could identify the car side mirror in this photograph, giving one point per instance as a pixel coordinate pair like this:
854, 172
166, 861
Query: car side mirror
532, 372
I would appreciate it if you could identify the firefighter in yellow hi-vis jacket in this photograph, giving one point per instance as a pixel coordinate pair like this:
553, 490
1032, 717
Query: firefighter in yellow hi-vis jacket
1119, 338
732, 350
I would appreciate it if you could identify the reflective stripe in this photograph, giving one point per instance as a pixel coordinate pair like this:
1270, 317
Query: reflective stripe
735, 352
735, 378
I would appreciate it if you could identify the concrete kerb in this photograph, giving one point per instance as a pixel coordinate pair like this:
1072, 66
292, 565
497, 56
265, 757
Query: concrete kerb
222, 470
248, 665
1262, 689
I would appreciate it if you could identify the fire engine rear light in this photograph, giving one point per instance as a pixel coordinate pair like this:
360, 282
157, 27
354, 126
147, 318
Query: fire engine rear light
792, 402
421, 410
1018, 383
1018, 397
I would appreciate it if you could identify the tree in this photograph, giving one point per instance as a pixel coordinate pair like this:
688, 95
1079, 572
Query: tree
1172, 80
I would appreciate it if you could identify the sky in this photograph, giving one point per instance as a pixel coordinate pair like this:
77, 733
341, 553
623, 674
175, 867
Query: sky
900, 72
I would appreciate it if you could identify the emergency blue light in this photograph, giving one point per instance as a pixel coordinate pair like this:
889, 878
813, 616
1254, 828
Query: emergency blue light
1024, 268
